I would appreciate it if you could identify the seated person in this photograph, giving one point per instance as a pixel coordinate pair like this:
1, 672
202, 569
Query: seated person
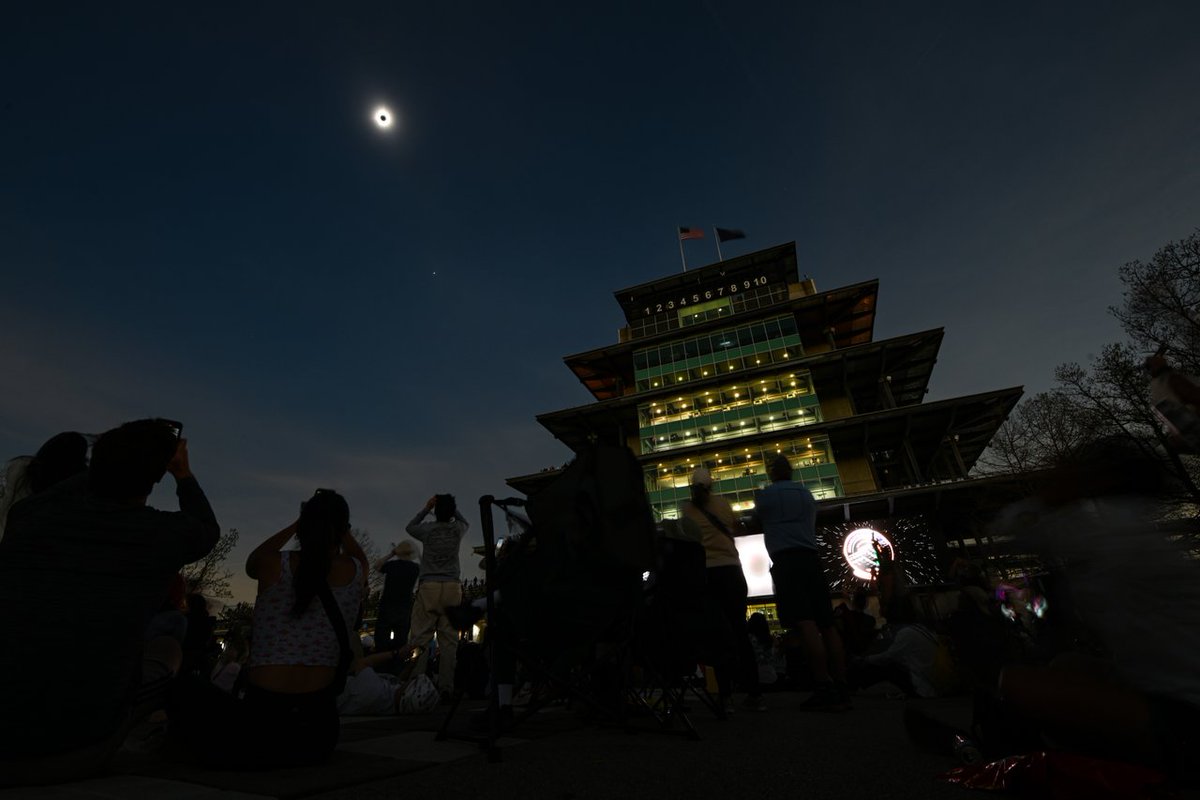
236, 650
89, 556
200, 650
1134, 593
288, 715
170, 620
770, 664
909, 660
856, 626
372, 693
62, 456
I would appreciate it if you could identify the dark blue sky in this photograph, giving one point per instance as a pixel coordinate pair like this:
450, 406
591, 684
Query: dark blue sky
197, 219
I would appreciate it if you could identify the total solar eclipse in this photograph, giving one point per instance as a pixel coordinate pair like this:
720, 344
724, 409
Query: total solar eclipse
383, 117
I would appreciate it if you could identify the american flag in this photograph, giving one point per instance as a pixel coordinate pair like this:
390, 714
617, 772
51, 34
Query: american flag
690, 233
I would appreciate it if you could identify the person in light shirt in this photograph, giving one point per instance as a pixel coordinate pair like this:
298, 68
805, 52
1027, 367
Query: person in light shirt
439, 588
787, 514
719, 526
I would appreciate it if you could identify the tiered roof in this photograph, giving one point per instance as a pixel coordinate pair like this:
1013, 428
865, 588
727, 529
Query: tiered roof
909, 442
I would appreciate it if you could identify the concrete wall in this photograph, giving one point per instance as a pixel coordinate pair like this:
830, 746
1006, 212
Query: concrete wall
858, 477
835, 407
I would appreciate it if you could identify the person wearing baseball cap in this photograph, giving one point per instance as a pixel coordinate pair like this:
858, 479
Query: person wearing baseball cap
719, 526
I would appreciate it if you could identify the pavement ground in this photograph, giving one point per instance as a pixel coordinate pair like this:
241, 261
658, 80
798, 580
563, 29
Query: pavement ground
558, 755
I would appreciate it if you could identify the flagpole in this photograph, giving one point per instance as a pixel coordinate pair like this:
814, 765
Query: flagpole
682, 260
717, 239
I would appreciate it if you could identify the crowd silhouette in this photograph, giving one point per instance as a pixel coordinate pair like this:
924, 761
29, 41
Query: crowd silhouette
1058, 660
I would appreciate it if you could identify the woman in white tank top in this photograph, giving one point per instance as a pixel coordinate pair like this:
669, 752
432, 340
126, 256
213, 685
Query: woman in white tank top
288, 714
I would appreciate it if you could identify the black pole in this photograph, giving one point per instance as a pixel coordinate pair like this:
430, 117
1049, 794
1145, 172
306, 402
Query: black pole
489, 579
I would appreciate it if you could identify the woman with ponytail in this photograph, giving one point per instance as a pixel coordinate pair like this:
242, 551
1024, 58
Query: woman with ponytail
288, 712
294, 650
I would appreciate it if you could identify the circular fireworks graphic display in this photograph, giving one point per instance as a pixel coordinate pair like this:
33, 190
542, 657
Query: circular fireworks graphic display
848, 557
858, 549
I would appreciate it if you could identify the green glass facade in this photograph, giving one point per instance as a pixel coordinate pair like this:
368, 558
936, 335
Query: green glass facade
720, 417
739, 471
776, 402
724, 352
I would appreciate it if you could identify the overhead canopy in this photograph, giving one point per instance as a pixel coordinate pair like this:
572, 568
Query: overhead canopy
878, 375
926, 443
839, 318
529, 485
975, 497
861, 371
910, 446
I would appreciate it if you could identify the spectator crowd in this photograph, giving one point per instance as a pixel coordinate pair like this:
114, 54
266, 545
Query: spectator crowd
82, 552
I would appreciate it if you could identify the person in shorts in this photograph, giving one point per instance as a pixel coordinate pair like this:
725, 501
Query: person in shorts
787, 514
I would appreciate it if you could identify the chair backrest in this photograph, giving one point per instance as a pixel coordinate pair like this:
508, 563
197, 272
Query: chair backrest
576, 575
680, 578
595, 515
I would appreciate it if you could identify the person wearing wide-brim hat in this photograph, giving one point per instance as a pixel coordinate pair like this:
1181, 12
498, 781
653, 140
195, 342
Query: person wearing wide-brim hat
396, 603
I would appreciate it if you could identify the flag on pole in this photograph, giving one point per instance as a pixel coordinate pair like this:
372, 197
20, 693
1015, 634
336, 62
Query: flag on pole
728, 234
690, 233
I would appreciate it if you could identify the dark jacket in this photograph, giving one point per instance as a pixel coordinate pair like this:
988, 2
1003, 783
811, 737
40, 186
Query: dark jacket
74, 563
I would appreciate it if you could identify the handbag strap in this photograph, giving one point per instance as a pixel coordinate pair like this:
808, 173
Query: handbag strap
345, 655
721, 526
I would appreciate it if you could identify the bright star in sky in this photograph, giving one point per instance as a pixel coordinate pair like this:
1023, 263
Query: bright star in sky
383, 117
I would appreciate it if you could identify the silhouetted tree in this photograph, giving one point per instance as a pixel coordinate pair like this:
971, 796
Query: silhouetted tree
1161, 302
1041, 430
238, 614
1110, 395
209, 576
374, 578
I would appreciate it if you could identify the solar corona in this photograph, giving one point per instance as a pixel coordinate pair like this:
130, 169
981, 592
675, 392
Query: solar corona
383, 117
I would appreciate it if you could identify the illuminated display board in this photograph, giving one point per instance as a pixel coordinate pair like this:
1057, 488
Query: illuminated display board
756, 565
848, 554
860, 550
720, 287
708, 285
